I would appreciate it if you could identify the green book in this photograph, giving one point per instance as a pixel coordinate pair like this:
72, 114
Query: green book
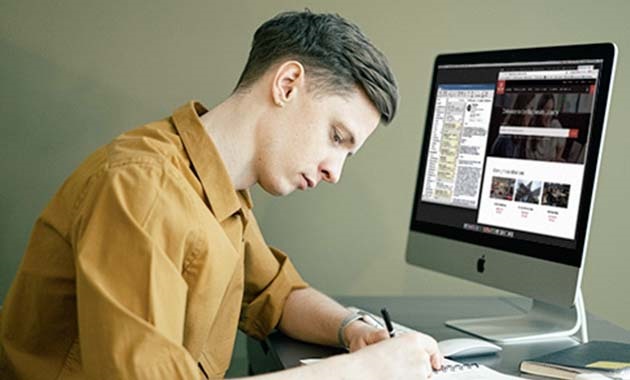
608, 358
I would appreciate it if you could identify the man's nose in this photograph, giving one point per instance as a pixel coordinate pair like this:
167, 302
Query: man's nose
331, 171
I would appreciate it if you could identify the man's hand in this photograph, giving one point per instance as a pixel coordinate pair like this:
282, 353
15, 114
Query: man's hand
410, 355
311, 316
359, 334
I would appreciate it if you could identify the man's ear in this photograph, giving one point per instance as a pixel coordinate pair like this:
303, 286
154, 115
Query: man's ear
288, 80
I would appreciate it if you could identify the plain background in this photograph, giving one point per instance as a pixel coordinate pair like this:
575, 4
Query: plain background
75, 74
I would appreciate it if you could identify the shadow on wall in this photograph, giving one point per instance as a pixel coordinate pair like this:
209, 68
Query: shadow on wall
52, 118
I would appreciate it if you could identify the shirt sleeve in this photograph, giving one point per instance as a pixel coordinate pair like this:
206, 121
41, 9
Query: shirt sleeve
131, 298
269, 279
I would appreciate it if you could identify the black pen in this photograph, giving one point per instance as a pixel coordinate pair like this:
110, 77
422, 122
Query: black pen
388, 322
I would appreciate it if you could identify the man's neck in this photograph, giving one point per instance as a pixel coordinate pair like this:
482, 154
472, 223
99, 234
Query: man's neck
231, 125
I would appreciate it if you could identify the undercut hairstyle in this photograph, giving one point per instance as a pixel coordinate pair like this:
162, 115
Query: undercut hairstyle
337, 57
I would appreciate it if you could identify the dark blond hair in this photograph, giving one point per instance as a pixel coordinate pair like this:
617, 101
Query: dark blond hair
336, 55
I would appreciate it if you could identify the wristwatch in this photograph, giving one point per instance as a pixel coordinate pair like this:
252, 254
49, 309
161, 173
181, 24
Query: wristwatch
354, 316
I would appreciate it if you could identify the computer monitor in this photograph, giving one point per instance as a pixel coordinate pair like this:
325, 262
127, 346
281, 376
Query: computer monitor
507, 177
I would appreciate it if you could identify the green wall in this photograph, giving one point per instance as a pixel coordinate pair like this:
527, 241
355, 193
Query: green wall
73, 75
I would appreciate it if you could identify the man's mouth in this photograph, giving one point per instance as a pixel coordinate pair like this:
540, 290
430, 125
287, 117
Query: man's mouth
309, 182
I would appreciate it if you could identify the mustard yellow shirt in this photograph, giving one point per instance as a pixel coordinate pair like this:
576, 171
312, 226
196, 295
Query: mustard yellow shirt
143, 265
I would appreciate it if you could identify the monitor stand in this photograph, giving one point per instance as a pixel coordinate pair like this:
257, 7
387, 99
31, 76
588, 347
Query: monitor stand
543, 322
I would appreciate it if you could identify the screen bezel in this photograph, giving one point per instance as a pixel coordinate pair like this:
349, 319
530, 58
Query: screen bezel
569, 256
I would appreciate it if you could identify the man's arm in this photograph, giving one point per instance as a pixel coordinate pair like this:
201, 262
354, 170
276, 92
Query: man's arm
408, 356
131, 298
311, 316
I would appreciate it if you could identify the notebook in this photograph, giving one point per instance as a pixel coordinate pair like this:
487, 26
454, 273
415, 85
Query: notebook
608, 358
452, 370
457, 371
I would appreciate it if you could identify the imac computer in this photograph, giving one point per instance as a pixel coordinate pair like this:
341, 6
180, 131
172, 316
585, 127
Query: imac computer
507, 177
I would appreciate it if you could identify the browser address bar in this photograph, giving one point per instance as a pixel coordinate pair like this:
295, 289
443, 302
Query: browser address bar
539, 131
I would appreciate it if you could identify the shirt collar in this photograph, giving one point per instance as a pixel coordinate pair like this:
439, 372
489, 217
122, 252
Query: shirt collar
216, 182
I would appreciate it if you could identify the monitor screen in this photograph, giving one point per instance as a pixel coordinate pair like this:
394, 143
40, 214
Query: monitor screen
506, 179
510, 149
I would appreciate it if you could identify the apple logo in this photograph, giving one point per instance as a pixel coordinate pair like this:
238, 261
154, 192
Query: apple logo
481, 264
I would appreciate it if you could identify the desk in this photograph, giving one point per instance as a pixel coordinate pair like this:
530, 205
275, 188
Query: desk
427, 314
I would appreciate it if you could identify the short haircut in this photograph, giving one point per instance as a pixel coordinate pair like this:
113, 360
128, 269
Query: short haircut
335, 54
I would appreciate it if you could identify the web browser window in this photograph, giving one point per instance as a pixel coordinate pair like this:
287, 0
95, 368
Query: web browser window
507, 148
535, 165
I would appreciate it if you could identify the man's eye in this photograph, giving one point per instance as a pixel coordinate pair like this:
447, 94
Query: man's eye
337, 138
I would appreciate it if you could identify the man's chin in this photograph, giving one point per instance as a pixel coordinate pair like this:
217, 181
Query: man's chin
277, 191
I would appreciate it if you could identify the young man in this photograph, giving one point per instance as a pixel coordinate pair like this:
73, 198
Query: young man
149, 257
